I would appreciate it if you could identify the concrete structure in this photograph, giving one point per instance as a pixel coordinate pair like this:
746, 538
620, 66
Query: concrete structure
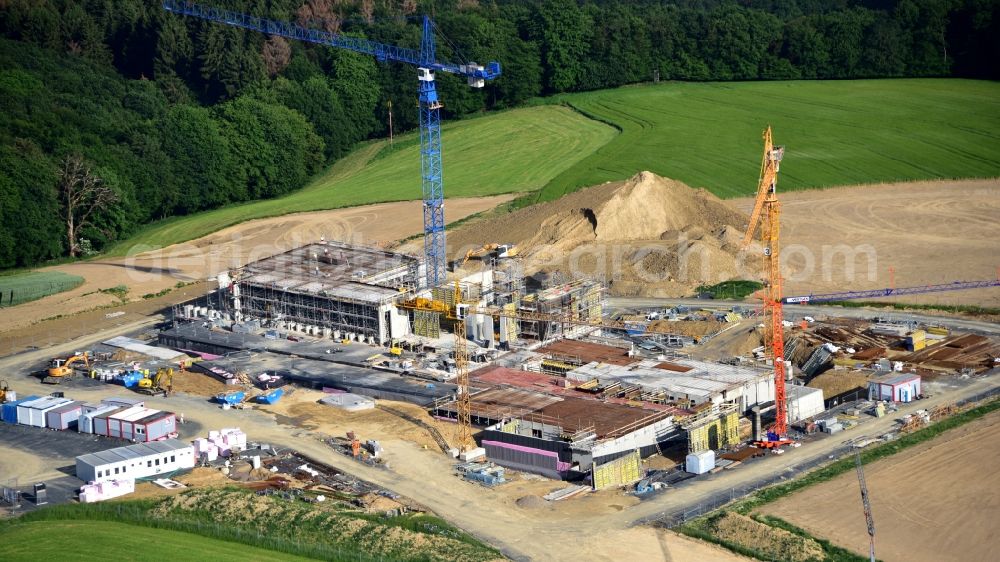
685, 382
348, 401
803, 402
345, 288
123, 401
895, 387
135, 461
580, 300
560, 437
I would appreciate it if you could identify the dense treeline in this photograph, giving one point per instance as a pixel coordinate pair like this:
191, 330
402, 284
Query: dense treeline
171, 115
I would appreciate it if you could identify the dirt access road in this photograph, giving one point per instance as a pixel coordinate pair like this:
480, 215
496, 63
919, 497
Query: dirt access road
937, 501
147, 270
930, 232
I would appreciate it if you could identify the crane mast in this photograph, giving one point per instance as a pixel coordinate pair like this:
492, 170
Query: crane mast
425, 59
866, 504
767, 214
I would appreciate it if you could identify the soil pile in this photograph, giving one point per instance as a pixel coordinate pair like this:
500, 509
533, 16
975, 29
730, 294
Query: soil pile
834, 383
531, 502
774, 543
648, 236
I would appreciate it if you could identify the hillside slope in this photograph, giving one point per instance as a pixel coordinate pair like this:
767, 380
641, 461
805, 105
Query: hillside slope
835, 132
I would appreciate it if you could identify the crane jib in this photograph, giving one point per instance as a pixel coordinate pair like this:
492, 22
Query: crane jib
380, 51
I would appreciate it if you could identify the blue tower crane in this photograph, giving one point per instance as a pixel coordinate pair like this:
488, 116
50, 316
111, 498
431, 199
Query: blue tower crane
425, 60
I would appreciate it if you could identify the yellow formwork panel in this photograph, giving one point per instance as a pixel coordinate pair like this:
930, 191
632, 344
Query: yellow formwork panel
619, 472
731, 429
511, 426
698, 439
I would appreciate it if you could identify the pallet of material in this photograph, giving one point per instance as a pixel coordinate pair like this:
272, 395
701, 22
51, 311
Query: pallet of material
744, 454
566, 493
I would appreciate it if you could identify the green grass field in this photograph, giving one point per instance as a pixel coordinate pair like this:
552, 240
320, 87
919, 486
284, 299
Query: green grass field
33, 285
513, 151
704, 134
109, 540
835, 132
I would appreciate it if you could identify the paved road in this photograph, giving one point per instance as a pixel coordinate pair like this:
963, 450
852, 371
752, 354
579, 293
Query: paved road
798, 311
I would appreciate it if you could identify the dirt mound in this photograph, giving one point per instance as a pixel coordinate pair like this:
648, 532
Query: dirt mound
648, 236
775, 543
834, 383
531, 502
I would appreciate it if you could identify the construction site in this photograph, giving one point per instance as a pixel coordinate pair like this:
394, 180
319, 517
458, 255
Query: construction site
573, 371
534, 387
514, 368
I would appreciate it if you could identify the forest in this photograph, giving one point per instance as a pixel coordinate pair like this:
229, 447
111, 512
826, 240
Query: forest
115, 113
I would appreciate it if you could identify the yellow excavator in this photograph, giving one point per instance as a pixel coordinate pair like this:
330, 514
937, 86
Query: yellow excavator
61, 369
498, 251
160, 383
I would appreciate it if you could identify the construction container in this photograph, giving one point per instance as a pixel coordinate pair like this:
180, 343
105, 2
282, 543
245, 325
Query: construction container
33, 413
86, 424
64, 417
271, 396
154, 427
700, 463
122, 424
109, 424
9, 409
231, 398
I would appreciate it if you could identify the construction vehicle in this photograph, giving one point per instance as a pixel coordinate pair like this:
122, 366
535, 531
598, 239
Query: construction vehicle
426, 60
496, 251
395, 349
4, 389
159, 384
61, 369
766, 214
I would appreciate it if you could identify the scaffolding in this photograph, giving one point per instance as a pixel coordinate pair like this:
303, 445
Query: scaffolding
580, 300
330, 286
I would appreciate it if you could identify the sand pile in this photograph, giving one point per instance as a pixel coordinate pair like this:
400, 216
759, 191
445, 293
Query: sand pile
531, 502
647, 236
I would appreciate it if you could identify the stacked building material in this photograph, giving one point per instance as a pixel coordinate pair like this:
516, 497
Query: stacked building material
100, 491
225, 440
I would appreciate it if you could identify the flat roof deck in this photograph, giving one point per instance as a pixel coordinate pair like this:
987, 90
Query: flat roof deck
331, 262
701, 378
607, 420
588, 352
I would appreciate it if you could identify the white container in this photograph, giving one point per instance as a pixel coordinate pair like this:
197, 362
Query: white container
700, 463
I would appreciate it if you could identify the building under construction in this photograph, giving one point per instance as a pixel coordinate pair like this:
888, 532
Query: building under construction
336, 289
579, 301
